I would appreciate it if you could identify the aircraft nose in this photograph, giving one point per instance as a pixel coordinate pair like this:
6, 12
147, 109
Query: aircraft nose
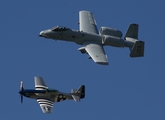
41, 34
20, 92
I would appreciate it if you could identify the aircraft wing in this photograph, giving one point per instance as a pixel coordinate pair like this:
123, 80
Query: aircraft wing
97, 53
46, 105
39, 83
87, 22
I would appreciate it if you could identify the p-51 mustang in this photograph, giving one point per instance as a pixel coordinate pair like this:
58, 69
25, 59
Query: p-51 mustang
46, 97
93, 41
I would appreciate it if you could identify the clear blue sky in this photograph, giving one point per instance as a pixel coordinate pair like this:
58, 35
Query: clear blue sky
126, 89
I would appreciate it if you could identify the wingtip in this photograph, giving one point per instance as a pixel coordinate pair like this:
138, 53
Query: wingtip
85, 11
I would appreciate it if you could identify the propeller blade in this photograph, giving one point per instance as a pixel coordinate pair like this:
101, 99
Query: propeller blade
21, 90
21, 86
21, 98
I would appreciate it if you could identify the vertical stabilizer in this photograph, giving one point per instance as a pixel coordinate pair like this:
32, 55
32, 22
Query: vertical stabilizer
136, 46
138, 49
132, 31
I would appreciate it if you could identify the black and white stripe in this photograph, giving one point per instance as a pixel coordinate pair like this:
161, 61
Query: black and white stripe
45, 102
40, 87
39, 83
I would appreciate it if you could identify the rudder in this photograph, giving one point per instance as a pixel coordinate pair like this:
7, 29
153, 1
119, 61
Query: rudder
81, 90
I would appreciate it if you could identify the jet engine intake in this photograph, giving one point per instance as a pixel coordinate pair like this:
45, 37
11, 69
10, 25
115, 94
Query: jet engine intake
110, 31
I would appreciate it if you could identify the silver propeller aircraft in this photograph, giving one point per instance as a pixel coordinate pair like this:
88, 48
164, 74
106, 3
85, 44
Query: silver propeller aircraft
46, 97
93, 41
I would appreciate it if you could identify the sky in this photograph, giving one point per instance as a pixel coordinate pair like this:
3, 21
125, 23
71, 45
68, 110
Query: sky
126, 89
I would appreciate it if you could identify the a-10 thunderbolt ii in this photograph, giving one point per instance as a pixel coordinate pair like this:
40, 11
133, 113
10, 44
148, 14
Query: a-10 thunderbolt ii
46, 97
93, 41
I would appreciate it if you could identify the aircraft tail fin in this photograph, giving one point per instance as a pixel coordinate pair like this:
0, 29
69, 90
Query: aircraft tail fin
132, 31
79, 93
136, 47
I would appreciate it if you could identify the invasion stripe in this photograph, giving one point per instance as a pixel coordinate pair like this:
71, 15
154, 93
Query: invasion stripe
44, 99
45, 102
41, 86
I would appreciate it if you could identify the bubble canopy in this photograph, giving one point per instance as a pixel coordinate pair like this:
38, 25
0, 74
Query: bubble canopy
59, 28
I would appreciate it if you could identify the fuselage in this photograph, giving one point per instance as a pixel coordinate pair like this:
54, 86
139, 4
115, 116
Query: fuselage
70, 36
37, 94
81, 37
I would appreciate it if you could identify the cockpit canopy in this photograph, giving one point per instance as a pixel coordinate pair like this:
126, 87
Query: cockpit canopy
57, 29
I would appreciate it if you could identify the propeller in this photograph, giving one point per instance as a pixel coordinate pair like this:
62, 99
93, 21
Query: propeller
21, 90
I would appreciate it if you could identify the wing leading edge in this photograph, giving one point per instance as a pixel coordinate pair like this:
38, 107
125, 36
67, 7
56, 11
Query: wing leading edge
97, 53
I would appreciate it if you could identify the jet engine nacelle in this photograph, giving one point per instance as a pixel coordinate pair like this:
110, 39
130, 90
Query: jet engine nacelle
82, 50
112, 41
110, 31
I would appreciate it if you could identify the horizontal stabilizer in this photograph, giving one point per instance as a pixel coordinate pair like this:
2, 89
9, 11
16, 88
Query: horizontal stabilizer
138, 49
80, 93
75, 97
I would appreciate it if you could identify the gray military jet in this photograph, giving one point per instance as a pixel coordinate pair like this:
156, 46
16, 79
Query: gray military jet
93, 41
46, 97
